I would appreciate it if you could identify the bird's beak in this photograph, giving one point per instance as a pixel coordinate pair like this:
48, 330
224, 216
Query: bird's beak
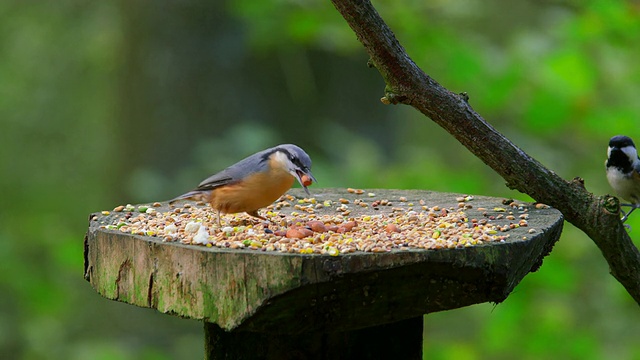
298, 176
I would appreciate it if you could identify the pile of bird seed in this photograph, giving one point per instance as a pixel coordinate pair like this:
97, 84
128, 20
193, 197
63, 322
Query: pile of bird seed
311, 226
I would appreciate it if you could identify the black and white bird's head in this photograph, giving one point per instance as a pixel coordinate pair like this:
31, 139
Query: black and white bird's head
622, 154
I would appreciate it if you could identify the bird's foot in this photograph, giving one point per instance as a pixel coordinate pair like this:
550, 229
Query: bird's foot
626, 215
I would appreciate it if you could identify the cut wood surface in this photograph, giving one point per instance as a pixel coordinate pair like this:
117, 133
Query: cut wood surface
263, 291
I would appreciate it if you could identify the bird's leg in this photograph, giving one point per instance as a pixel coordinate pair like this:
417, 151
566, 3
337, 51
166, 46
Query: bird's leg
268, 222
626, 215
254, 213
219, 223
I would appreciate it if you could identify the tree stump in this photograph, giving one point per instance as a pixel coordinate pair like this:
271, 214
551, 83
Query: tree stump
273, 305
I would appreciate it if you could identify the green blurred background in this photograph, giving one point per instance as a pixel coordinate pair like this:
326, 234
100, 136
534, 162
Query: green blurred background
108, 103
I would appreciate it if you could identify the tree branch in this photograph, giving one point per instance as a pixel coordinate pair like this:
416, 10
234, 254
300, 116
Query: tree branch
598, 217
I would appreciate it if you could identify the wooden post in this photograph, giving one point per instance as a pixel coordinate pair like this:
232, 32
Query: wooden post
399, 340
272, 305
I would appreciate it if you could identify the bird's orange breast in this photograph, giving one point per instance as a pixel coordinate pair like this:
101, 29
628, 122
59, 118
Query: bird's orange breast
252, 193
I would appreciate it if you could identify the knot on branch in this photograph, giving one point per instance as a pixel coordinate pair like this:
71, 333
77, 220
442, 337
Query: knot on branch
392, 98
578, 181
611, 204
370, 63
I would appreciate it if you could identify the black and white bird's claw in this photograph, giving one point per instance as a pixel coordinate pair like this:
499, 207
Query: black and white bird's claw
624, 216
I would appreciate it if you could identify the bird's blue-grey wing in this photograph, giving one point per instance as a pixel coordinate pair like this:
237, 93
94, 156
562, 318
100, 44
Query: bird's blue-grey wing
237, 171
230, 175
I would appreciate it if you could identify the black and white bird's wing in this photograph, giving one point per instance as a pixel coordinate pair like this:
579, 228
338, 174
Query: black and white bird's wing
636, 168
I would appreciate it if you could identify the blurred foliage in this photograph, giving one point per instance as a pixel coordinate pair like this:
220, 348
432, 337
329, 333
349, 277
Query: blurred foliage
106, 103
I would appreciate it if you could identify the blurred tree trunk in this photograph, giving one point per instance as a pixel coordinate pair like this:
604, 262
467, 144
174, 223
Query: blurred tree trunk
189, 76
171, 70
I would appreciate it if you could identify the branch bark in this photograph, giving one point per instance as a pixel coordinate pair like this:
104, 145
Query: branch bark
598, 217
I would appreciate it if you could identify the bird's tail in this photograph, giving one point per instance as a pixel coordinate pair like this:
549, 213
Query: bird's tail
198, 195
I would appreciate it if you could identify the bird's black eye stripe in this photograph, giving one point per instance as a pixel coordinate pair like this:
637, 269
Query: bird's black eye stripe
296, 161
291, 156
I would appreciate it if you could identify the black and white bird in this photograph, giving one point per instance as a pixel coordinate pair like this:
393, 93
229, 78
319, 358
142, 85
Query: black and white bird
623, 171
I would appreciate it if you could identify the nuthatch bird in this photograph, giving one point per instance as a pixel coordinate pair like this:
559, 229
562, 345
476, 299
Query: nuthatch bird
255, 182
623, 171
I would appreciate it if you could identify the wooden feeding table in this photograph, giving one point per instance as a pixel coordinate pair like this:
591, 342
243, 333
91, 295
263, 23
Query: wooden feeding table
346, 293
